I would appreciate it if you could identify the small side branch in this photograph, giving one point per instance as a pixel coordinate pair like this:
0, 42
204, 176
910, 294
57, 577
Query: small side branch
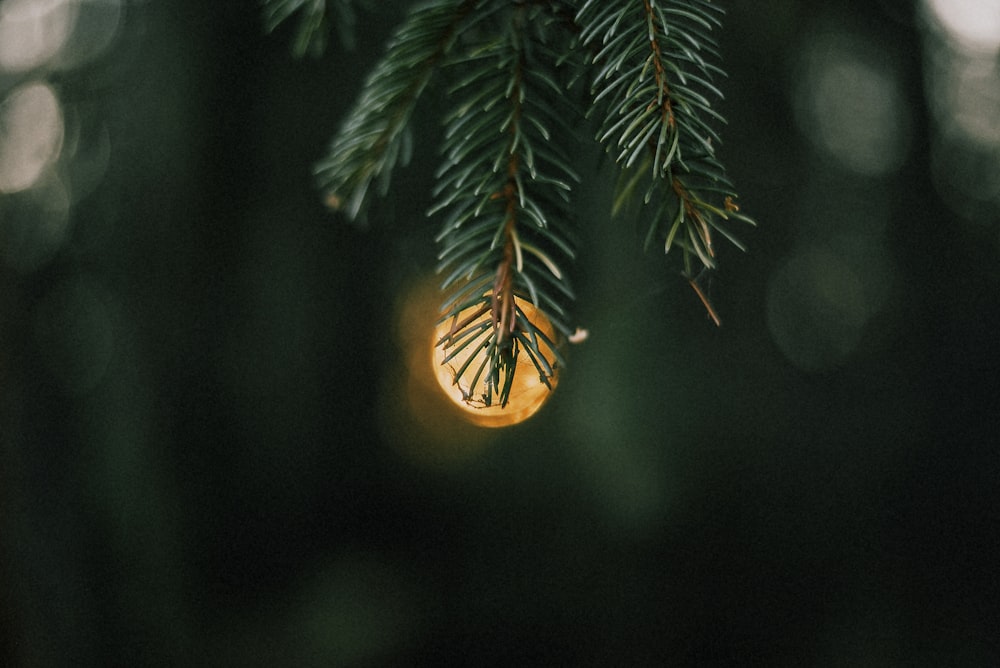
373, 137
662, 89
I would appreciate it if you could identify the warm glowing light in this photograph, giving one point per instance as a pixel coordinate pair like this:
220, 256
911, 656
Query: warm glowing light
421, 411
31, 134
527, 394
417, 417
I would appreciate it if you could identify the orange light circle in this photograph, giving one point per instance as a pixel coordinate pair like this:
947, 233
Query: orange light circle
527, 393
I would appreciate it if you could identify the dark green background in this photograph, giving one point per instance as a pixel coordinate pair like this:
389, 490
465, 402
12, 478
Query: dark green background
224, 490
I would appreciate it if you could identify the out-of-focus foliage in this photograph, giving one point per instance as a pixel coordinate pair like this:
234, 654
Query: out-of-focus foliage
211, 452
316, 20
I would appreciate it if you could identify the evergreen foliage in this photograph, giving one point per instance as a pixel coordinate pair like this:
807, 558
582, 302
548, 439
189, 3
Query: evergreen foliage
504, 189
315, 20
654, 88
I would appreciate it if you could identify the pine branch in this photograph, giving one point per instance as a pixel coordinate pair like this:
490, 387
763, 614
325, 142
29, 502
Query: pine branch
504, 186
375, 135
654, 81
312, 33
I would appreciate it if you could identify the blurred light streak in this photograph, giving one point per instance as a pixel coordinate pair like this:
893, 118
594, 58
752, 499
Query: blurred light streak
975, 94
963, 92
96, 26
62, 33
86, 156
32, 32
849, 105
31, 134
972, 24
50, 158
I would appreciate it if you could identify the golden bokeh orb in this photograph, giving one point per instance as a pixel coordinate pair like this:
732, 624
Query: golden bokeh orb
417, 419
528, 391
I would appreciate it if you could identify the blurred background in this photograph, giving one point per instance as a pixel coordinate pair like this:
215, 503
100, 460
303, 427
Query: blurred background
211, 452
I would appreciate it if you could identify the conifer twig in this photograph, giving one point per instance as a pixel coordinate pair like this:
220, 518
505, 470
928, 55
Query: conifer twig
503, 188
315, 19
653, 81
375, 135
504, 192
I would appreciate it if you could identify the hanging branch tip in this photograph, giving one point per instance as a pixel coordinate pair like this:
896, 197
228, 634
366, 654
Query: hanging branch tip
705, 302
